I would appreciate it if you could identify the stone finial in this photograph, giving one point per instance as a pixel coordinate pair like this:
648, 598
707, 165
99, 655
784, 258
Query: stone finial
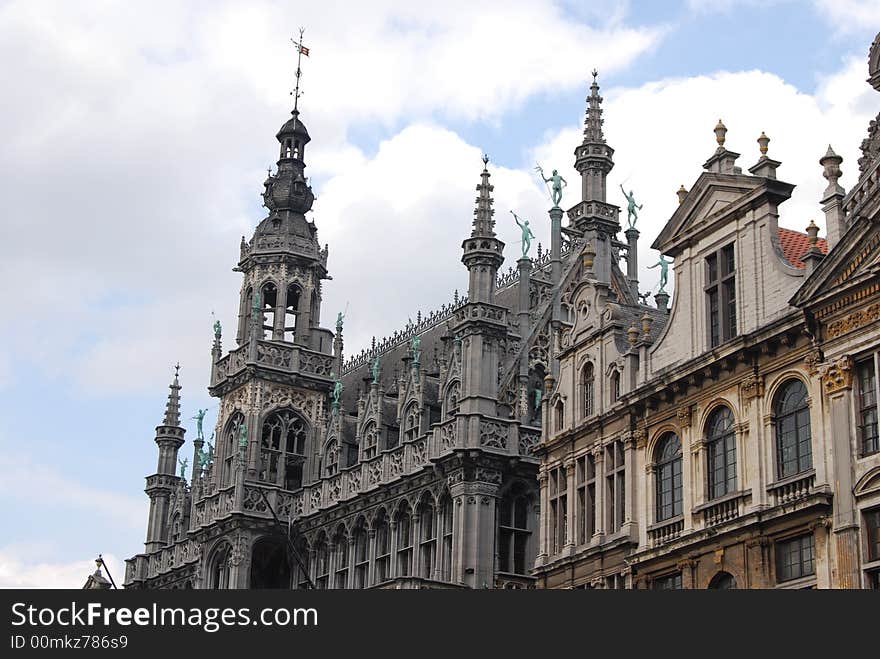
172, 407
589, 255
720, 134
682, 193
763, 142
813, 233
633, 333
831, 164
647, 321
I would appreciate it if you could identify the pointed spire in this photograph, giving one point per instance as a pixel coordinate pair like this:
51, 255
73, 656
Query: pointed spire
172, 408
593, 122
484, 225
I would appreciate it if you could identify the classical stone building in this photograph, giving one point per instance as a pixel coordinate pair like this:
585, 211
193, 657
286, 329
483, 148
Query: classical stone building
732, 444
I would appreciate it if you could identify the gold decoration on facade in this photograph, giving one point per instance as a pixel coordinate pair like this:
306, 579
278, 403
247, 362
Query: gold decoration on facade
855, 320
812, 360
720, 133
682, 193
837, 375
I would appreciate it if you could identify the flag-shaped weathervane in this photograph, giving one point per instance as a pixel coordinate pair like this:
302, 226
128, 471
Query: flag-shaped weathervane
300, 51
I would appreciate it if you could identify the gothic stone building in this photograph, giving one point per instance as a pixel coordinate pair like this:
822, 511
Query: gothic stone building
735, 444
419, 474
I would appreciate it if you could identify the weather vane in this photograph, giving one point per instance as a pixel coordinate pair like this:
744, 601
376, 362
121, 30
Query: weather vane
300, 51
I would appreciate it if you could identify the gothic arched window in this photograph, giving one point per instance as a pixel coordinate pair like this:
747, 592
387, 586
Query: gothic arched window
427, 537
291, 309
282, 441
723, 581
322, 563
588, 385
792, 420
404, 540
514, 531
668, 477
411, 423
231, 437
452, 394
175, 528
615, 386
246, 312
446, 512
340, 541
331, 458
371, 441
721, 453
361, 553
559, 415
269, 299
218, 570
383, 547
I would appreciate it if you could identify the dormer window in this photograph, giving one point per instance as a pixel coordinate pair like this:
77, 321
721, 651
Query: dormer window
721, 295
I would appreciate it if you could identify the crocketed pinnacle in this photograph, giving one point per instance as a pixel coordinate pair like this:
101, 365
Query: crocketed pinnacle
172, 408
484, 225
593, 122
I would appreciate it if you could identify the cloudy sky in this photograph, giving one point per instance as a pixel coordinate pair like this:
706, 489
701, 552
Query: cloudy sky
136, 137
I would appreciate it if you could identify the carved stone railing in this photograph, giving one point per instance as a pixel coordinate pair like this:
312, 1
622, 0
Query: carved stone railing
529, 438
723, 510
665, 531
792, 489
274, 354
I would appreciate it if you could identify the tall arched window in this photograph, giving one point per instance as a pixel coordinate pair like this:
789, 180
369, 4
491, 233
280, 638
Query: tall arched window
668, 477
322, 563
559, 415
411, 423
588, 387
383, 547
723, 581
361, 553
340, 541
246, 312
615, 386
269, 299
218, 571
331, 458
371, 441
514, 531
446, 509
721, 453
283, 441
404, 540
291, 309
427, 537
452, 394
231, 438
175, 528
794, 453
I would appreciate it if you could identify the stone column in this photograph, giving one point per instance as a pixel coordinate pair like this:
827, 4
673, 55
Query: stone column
543, 536
571, 507
599, 460
351, 561
632, 260
629, 461
477, 537
371, 557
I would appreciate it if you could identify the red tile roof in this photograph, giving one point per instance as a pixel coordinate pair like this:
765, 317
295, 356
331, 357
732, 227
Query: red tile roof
795, 243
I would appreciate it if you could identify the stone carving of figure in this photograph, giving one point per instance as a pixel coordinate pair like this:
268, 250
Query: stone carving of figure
556, 184
375, 369
632, 208
527, 234
664, 272
199, 417
337, 390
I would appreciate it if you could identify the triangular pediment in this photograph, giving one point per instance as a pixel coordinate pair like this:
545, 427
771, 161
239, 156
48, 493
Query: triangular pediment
712, 199
852, 263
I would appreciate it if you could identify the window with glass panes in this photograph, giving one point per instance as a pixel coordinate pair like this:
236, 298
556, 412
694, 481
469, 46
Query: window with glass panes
404, 542
322, 562
872, 533
721, 295
667, 582
428, 539
668, 477
721, 453
794, 453
867, 401
342, 548
446, 509
795, 558
514, 533
585, 484
558, 508
615, 486
383, 548
587, 389
361, 557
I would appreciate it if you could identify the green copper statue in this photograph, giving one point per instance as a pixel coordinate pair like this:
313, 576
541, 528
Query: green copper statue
416, 348
217, 329
199, 417
339, 318
557, 183
631, 213
256, 306
337, 390
242, 436
376, 370
664, 272
527, 234
539, 396
183, 468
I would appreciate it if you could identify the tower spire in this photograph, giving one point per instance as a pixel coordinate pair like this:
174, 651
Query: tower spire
172, 407
593, 122
484, 225
300, 51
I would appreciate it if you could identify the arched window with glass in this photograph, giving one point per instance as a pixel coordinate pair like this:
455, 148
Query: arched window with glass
452, 395
218, 570
615, 386
383, 547
514, 531
404, 540
283, 442
231, 438
371, 441
721, 453
411, 423
588, 387
794, 451
668, 477
427, 537
361, 553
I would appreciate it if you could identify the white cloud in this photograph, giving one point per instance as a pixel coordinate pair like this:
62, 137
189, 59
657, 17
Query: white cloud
17, 571
848, 16
663, 132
